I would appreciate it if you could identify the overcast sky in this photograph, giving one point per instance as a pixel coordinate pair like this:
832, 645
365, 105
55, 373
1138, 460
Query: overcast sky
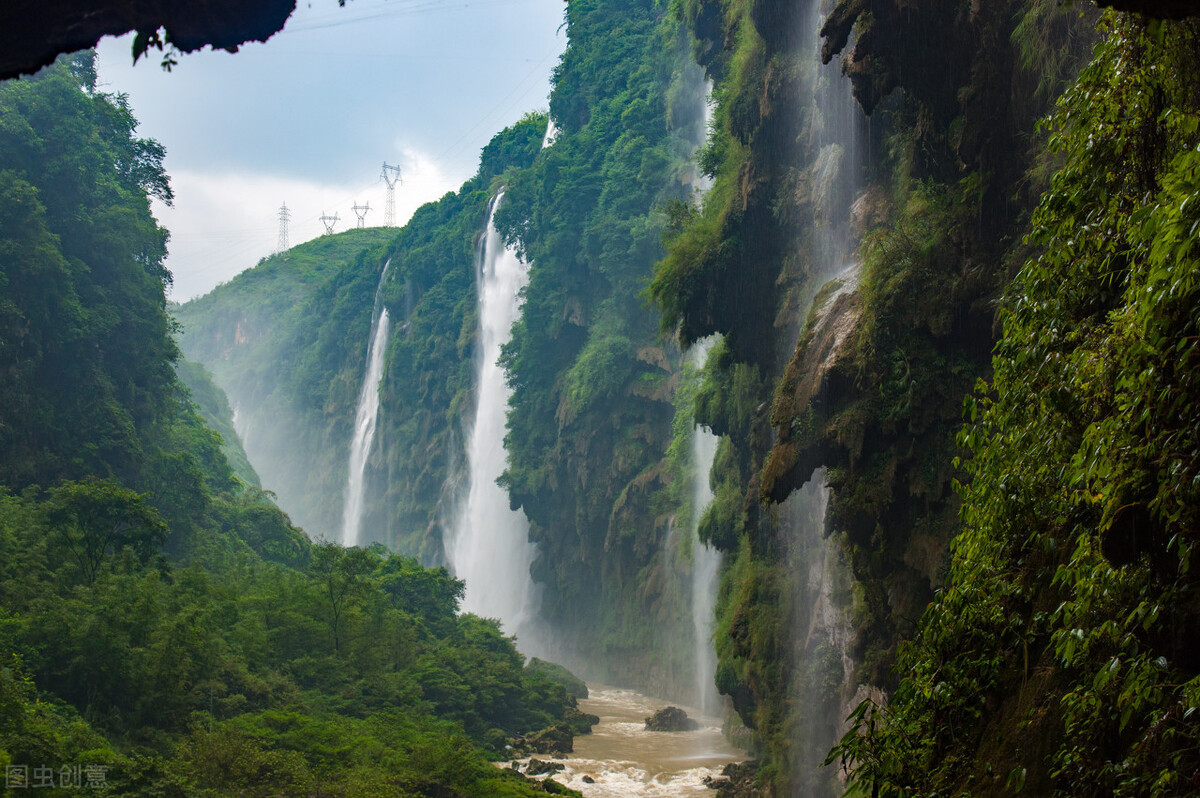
309, 117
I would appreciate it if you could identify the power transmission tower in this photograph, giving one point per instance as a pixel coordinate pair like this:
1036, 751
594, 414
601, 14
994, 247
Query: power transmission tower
329, 222
361, 212
285, 216
391, 176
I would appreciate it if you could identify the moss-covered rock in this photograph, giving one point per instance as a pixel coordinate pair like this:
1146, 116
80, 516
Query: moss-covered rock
670, 719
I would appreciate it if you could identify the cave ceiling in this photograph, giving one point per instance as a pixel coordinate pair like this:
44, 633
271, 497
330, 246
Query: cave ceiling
34, 32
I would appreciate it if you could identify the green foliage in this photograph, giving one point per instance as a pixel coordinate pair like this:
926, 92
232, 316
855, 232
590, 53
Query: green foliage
556, 673
218, 416
184, 659
162, 620
590, 419
96, 519
287, 341
85, 358
1073, 570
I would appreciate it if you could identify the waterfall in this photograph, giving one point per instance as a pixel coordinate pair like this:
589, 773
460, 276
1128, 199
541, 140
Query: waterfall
365, 417
489, 546
240, 425
706, 560
703, 182
838, 134
821, 638
551, 133
822, 668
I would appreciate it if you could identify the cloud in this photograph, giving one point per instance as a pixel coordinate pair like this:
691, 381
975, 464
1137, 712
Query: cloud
224, 223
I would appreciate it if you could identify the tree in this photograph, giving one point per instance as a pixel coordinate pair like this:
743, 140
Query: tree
97, 517
343, 576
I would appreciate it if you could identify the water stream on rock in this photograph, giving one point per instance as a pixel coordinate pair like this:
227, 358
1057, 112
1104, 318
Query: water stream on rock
624, 759
706, 560
490, 547
822, 669
365, 416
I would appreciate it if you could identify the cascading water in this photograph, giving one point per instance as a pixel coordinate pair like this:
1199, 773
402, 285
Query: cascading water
706, 560
365, 417
702, 182
822, 635
822, 668
551, 133
490, 546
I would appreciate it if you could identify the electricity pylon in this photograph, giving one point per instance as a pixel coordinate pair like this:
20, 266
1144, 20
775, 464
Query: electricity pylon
361, 212
329, 222
391, 176
284, 217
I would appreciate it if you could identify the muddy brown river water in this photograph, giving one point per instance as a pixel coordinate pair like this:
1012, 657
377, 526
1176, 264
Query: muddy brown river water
626, 760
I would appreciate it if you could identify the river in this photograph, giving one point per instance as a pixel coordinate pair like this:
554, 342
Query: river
626, 760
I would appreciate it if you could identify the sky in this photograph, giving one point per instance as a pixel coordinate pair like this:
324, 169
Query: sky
310, 116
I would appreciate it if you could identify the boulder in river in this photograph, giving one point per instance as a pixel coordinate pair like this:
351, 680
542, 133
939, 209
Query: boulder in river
737, 780
580, 722
537, 767
671, 719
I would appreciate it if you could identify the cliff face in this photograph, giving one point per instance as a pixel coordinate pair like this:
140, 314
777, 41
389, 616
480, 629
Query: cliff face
256, 335
591, 413
870, 399
287, 342
870, 388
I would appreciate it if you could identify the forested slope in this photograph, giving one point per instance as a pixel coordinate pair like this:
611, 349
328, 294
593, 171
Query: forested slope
591, 426
252, 334
590, 423
164, 629
1061, 656
287, 341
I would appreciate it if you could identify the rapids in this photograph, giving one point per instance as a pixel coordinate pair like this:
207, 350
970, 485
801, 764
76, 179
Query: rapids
626, 760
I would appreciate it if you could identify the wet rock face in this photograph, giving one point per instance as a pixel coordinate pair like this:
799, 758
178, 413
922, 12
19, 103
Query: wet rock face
580, 722
737, 780
815, 385
671, 719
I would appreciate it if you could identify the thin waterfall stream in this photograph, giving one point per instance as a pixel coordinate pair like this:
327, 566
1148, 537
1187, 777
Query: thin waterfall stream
822, 668
365, 417
706, 560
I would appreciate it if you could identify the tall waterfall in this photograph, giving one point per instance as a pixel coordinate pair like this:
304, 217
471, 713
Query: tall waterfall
365, 417
706, 560
489, 547
822, 669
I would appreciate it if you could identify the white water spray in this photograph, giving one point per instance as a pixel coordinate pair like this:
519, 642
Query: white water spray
706, 560
490, 546
365, 417
551, 133
820, 598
